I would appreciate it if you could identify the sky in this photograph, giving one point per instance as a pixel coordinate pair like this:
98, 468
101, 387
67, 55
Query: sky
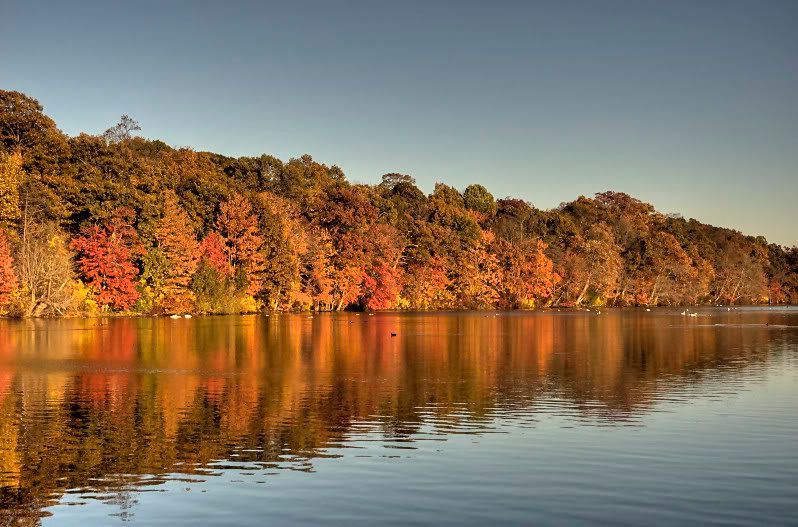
689, 105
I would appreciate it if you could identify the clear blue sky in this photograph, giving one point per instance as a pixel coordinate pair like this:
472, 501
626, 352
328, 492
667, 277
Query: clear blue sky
692, 106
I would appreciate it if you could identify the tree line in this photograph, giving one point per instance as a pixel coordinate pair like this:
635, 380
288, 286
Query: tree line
118, 223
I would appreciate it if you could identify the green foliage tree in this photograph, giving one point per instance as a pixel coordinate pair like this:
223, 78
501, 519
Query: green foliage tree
22, 121
478, 199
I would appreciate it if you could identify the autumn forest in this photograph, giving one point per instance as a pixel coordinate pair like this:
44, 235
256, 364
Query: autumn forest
115, 223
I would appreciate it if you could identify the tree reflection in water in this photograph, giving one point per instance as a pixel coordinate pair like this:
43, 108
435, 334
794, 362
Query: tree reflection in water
108, 405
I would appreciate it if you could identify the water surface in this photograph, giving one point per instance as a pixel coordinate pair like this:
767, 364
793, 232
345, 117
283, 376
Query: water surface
625, 417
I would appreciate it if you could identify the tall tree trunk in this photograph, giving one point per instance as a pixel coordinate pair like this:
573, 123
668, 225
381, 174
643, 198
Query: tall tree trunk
623, 292
584, 291
652, 296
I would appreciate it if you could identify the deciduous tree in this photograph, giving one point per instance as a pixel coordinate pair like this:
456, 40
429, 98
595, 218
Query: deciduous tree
178, 245
105, 261
238, 227
212, 253
44, 270
8, 276
22, 121
527, 274
11, 176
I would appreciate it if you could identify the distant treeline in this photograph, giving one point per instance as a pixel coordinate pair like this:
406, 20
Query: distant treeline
118, 223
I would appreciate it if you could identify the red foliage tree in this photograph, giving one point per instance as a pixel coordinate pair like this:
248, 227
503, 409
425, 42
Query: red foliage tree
105, 261
382, 276
381, 287
212, 251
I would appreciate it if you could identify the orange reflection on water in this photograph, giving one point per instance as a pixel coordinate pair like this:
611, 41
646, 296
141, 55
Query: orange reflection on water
84, 399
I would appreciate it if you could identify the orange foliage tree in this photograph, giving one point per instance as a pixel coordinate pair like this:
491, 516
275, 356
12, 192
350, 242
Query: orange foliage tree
477, 275
527, 274
238, 227
347, 214
426, 285
180, 249
8, 277
285, 235
316, 271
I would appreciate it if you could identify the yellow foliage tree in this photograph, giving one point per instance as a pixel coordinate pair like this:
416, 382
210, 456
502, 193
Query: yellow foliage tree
11, 175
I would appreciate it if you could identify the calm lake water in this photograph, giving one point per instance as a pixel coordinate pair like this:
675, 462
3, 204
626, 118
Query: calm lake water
626, 417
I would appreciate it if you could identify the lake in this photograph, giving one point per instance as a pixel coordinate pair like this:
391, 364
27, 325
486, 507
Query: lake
624, 417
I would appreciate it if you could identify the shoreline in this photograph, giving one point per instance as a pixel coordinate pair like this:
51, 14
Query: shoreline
188, 316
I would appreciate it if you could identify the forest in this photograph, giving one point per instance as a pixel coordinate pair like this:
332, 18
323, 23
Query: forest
116, 223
